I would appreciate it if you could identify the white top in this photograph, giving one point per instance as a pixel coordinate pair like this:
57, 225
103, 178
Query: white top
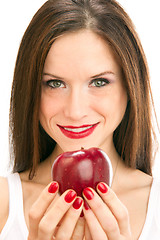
16, 228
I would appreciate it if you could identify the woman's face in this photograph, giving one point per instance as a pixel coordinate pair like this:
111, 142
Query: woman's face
83, 99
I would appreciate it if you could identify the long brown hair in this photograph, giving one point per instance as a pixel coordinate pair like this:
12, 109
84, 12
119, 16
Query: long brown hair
133, 137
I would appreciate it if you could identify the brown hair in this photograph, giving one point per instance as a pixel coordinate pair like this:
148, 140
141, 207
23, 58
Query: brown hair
133, 137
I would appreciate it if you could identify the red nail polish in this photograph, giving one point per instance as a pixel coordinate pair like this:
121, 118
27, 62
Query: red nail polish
70, 196
102, 188
53, 187
82, 214
88, 193
86, 206
77, 203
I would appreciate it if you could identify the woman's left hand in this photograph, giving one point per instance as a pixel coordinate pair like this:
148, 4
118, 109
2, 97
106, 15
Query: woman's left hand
107, 218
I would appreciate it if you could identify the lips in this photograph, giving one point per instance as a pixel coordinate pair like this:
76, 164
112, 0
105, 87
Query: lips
75, 132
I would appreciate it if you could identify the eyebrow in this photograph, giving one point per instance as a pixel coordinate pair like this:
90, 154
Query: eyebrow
95, 76
103, 73
52, 75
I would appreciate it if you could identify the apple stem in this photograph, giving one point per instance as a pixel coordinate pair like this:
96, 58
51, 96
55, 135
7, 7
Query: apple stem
82, 148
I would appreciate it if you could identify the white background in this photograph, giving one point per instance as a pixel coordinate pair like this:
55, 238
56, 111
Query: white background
15, 17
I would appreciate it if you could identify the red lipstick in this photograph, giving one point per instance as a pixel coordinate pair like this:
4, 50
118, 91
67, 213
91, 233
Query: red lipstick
75, 132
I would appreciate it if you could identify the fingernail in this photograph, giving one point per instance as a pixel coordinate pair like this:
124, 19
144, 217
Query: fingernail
82, 214
70, 196
53, 187
86, 206
88, 193
102, 188
77, 203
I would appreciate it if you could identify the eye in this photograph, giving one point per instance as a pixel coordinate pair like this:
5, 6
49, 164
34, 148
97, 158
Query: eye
100, 82
55, 84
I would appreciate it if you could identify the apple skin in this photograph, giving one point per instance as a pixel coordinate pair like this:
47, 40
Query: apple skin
80, 169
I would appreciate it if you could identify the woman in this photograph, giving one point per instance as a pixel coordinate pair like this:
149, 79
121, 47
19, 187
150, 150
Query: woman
81, 80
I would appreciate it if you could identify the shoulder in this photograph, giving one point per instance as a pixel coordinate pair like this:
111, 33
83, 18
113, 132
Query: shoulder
140, 180
142, 184
136, 180
30, 189
4, 202
136, 188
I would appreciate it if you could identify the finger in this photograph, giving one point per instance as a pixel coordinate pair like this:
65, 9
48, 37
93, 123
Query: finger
39, 208
87, 232
116, 206
69, 222
79, 230
51, 219
95, 229
103, 214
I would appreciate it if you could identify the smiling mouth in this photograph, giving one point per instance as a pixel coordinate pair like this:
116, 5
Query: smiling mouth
77, 132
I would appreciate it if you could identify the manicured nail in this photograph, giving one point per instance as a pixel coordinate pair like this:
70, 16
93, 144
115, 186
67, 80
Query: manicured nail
53, 187
77, 203
102, 188
82, 214
70, 196
86, 206
88, 193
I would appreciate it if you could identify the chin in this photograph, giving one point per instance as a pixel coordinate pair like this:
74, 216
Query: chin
77, 146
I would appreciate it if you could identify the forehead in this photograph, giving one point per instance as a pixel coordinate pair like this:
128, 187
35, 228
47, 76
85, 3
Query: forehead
83, 50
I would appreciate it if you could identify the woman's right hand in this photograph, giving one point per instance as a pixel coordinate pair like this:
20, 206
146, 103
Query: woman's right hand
53, 217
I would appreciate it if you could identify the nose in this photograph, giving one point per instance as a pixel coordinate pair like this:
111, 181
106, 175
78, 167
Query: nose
76, 105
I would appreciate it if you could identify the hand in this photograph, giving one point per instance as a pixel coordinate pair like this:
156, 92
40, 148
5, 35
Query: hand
53, 217
107, 218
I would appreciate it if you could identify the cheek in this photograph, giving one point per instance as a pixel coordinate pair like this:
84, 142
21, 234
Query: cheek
120, 102
113, 106
49, 107
118, 108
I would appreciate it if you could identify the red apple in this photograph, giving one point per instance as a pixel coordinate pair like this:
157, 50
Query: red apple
80, 169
